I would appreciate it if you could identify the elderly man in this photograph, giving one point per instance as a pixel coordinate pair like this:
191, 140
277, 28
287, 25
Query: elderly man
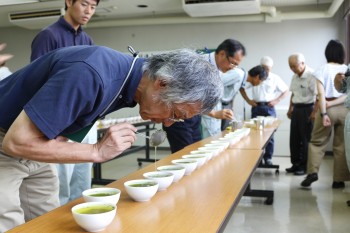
301, 112
265, 97
63, 92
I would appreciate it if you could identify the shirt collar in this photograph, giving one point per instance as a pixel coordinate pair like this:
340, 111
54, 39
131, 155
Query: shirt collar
304, 75
133, 82
66, 25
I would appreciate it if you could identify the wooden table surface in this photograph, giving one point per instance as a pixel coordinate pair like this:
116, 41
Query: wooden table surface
201, 202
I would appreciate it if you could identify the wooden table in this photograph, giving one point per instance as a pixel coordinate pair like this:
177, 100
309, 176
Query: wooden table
201, 202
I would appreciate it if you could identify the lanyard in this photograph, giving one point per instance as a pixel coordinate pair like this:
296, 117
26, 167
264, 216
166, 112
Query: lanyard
136, 56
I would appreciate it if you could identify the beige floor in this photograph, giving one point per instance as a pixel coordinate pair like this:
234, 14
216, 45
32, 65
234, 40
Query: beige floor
320, 209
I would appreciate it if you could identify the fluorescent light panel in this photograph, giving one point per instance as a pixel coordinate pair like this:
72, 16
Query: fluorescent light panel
14, 2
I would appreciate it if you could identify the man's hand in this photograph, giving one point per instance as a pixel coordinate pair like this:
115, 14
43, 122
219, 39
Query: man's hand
338, 81
117, 139
312, 116
252, 103
4, 57
273, 103
225, 114
326, 121
289, 113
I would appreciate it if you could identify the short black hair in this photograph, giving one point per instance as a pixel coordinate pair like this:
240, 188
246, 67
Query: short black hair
231, 46
335, 52
258, 70
73, 1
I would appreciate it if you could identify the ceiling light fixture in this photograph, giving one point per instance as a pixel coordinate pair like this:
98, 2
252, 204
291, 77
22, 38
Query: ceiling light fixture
14, 2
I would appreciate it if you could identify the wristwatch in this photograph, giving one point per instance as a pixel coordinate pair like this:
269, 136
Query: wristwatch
323, 114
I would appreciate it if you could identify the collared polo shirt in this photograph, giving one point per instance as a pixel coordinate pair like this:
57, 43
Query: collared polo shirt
58, 35
67, 89
269, 89
304, 87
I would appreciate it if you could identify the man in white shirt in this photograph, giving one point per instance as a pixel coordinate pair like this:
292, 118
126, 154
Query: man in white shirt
264, 98
301, 112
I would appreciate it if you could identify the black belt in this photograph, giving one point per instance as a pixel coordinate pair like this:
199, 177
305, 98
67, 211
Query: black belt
225, 103
262, 103
303, 105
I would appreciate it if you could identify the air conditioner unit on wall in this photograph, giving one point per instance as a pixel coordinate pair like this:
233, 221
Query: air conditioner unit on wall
204, 8
35, 19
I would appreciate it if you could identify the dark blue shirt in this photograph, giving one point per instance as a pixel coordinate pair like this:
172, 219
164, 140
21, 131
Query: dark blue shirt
67, 89
58, 35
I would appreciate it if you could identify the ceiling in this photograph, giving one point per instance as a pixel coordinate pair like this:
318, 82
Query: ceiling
142, 12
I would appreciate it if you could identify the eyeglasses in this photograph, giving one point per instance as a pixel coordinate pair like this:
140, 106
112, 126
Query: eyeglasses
175, 118
233, 64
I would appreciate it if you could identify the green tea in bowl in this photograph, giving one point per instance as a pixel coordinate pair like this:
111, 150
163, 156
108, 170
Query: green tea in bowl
177, 170
94, 216
106, 194
163, 178
189, 164
141, 190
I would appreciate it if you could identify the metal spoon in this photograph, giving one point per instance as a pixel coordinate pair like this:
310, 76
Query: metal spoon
157, 138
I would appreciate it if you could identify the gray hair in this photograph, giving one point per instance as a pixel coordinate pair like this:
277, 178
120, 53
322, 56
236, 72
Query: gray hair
299, 57
266, 61
189, 78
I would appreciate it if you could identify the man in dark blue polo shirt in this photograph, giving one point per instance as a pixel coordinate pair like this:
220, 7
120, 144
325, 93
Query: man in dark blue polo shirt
67, 31
68, 89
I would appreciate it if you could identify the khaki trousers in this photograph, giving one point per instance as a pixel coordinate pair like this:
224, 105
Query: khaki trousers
28, 189
319, 139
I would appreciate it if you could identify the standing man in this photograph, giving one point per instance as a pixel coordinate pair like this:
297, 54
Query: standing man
65, 91
264, 99
181, 134
301, 112
211, 123
67, 31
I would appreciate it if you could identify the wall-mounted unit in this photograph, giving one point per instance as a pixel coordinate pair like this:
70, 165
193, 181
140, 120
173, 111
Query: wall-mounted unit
205, 8
35, 19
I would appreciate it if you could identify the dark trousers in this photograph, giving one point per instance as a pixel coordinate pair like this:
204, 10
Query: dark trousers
182, 134
265, 110
300, 135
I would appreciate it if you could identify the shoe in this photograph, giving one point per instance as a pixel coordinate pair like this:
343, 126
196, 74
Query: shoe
309, 180
268, 162
299, 172
338, 185
291, 169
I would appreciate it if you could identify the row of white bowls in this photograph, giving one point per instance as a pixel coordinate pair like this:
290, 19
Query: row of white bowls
168, 174
142, 190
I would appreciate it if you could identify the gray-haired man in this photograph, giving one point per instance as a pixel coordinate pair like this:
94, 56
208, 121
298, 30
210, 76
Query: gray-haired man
62, 92
301, 112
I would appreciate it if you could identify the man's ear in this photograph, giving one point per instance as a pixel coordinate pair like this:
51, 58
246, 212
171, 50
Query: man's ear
159, 83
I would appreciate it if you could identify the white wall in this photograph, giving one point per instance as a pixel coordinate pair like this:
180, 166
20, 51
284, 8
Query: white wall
277, 40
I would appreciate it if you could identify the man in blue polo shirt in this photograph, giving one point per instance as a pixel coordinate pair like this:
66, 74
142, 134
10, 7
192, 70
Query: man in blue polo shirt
68, 89
67, 31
